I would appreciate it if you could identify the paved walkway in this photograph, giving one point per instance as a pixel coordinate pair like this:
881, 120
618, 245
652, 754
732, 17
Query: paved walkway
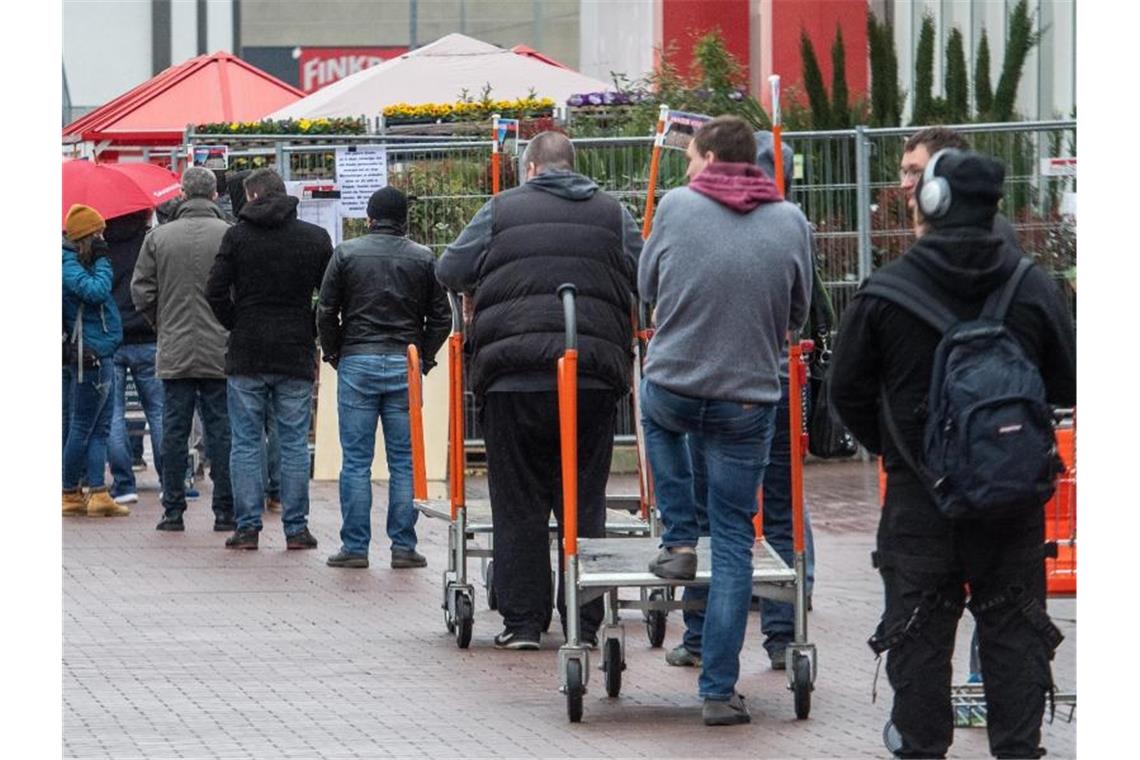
175, 647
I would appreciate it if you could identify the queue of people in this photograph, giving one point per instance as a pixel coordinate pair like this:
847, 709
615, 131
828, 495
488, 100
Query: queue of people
236, 312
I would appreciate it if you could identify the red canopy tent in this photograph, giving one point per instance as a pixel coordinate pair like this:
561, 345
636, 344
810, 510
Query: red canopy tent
208, 88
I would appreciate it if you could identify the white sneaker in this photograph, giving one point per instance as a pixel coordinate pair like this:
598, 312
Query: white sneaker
127, 498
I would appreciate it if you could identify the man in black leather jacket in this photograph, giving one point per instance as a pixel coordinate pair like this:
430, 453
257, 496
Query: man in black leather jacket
379, 295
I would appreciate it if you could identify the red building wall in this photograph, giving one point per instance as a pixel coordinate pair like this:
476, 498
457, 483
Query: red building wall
683, 21
819, 19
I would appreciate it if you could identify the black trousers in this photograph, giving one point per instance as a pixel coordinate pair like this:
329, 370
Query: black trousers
181, 397
525, 480
926, 563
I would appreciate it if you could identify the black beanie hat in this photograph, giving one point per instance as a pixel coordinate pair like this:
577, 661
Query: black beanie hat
975, 188
388, 205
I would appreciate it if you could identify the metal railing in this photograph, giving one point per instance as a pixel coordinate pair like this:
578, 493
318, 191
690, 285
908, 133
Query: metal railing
846, 182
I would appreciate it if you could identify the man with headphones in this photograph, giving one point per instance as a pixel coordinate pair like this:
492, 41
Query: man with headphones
925, 558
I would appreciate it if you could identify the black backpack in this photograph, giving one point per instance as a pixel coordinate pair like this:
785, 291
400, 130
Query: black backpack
989, 449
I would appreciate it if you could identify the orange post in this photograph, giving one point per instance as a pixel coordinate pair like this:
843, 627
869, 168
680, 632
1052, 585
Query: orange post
496, 158
777, 133
455, 407
416, 421
568, 427
654, 163
797, 378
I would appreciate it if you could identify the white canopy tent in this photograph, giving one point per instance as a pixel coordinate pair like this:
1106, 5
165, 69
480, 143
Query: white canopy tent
439, 73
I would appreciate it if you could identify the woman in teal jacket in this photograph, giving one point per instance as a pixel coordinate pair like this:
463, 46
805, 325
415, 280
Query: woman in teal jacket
92, 330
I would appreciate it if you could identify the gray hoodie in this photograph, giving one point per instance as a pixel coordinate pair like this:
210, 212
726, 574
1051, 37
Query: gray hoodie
728, 286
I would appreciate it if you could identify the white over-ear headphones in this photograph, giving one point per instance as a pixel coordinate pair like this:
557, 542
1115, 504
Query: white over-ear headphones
934, 192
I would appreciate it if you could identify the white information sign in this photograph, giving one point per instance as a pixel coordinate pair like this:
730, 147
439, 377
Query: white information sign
320, 205
360, 171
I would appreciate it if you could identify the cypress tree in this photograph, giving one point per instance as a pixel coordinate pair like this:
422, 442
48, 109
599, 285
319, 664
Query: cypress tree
895, 94
983, 92
924, 107
1021, 40
877, 58
813, 83
957, 80
840, 109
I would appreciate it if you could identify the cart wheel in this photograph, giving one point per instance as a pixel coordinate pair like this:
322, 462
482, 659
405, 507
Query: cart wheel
613, 665
655, 621
801, 684
489, 584
574, 690
464, 618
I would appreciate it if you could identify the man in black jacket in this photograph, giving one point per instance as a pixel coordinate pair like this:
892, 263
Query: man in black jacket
925, 559
556, 228
136, 354
261, 289
379, 295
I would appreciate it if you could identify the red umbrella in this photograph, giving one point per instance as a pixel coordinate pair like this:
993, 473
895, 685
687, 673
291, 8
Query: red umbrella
117, 189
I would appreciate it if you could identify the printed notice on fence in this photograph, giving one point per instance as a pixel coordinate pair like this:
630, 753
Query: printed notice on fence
360, 171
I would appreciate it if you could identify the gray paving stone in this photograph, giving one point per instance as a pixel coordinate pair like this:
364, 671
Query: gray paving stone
176, 647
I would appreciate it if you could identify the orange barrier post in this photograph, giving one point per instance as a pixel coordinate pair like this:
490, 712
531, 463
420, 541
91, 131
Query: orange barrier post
777, 131
1061, 521
496, 158
654, 163
416, 422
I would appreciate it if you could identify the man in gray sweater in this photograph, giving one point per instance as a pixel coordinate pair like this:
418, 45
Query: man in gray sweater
729, 268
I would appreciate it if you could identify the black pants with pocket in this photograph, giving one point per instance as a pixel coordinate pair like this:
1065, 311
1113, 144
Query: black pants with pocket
525, 479
928, 565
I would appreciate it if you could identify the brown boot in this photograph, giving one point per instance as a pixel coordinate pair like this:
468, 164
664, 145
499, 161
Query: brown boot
73, 502
100, 504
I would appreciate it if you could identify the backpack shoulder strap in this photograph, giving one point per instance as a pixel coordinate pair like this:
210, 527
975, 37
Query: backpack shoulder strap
997, 305
910, 297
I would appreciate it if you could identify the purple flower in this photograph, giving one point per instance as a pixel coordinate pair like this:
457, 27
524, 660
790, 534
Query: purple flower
575, 100
594, 98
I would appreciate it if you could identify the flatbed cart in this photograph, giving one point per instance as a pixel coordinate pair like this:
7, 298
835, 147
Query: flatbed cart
599, 567
466, 518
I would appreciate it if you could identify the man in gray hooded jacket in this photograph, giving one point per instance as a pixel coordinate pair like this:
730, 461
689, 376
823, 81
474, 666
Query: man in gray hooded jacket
556, 228
169, 289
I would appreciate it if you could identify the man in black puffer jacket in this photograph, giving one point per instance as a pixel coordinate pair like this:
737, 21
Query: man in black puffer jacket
136, 354
926, 559
379, 296
556, 228
261, 289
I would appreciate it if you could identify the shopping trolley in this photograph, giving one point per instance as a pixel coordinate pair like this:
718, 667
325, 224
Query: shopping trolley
469, 521
599, 567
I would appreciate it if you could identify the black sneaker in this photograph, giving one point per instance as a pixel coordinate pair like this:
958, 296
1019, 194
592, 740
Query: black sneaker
344, 559
402, 558
302, 539
509, 639
171, 523
242, 539
779, 657
674, 564
224, 523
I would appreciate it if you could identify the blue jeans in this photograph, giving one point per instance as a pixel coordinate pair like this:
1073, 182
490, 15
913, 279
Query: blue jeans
180, 397
88, 424
777, 621
251, 399
139, 359
371, 386
728, 442
271, 460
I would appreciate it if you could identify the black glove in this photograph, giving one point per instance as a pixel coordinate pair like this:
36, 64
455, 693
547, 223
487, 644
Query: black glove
332, 359
99, 247
426, 365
